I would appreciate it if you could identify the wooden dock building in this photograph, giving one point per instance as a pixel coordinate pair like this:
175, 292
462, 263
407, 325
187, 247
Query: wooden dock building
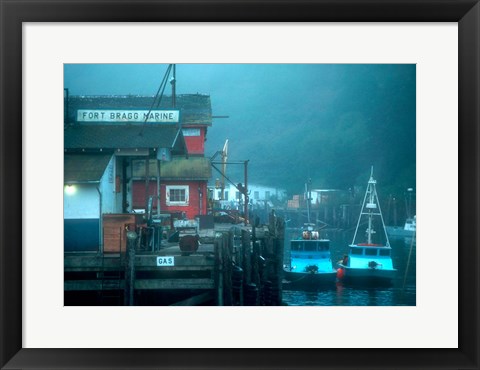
240, 266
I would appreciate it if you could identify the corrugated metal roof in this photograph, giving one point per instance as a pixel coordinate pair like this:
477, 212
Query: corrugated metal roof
112, 137
193, 168
195, 109
83, 168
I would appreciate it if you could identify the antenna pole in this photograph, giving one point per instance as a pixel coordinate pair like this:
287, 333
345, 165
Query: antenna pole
245, 168
174, 82
309, 195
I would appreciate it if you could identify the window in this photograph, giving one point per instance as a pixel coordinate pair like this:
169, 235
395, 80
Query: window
177, 195
297, 246
356, 251
226, 195
191, 132
237, 195
267, 195
324, 246
384, 252
370, 252
256, 195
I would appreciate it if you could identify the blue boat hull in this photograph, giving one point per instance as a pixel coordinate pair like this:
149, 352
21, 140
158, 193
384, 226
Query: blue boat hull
303, 279
368, 276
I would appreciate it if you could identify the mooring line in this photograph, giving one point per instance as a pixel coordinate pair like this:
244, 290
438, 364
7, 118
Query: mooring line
408, 260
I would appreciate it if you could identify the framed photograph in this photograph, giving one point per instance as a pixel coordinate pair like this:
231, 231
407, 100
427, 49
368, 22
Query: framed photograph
52, 315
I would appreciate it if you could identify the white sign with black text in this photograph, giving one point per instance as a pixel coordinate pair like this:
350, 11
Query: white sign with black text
165, 261
125, 116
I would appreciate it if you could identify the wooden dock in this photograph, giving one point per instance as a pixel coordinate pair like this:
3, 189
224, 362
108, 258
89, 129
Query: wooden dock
233, 265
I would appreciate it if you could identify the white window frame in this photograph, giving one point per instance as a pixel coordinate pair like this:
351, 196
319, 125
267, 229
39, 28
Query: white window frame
177, 187
191, 132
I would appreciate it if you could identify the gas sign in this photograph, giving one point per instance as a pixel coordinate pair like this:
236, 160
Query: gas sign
165, 261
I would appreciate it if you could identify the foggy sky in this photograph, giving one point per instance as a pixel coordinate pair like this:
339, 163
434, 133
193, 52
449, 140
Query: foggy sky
292, 121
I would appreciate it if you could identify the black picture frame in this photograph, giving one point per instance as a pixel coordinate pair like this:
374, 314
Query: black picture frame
14, 12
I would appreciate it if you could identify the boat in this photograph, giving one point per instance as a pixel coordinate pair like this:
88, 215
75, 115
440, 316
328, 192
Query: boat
310, 261
410, 227
370, 260
408, 230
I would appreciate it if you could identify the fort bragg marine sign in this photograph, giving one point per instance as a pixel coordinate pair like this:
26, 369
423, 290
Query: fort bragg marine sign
128, 116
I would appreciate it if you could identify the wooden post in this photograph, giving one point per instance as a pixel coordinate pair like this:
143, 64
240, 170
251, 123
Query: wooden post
255, 257
247, 265
158, 195
263, 268
128, 297
237, 270
256, 263
275, 259
279, 246
246, 192
227, 269
238, 252
218, 247
147, 184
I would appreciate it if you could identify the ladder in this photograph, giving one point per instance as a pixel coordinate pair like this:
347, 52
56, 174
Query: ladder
111, 277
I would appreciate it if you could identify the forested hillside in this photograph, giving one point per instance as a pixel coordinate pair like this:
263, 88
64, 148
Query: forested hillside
342, 124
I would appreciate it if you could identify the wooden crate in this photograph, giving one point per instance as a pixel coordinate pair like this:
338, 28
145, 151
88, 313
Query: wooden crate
115, 230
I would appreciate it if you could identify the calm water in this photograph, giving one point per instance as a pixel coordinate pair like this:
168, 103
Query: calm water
402, 291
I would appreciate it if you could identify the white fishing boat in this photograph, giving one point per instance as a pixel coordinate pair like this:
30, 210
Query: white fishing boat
371, 259
408, 230
310, 260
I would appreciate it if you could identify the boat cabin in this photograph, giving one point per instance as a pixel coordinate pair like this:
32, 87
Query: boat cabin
368, 255
318, 245
310, 256
370, 250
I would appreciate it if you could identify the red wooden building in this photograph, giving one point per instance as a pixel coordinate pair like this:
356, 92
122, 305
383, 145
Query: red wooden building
183, 186
183, 179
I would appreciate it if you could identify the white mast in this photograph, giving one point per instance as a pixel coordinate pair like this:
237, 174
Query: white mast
369, 209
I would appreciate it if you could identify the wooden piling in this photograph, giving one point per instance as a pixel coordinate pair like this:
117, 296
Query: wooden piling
246, 251
129, 290
223, 269
228, 268
279, 246
274, 272
256, 253
218, 250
